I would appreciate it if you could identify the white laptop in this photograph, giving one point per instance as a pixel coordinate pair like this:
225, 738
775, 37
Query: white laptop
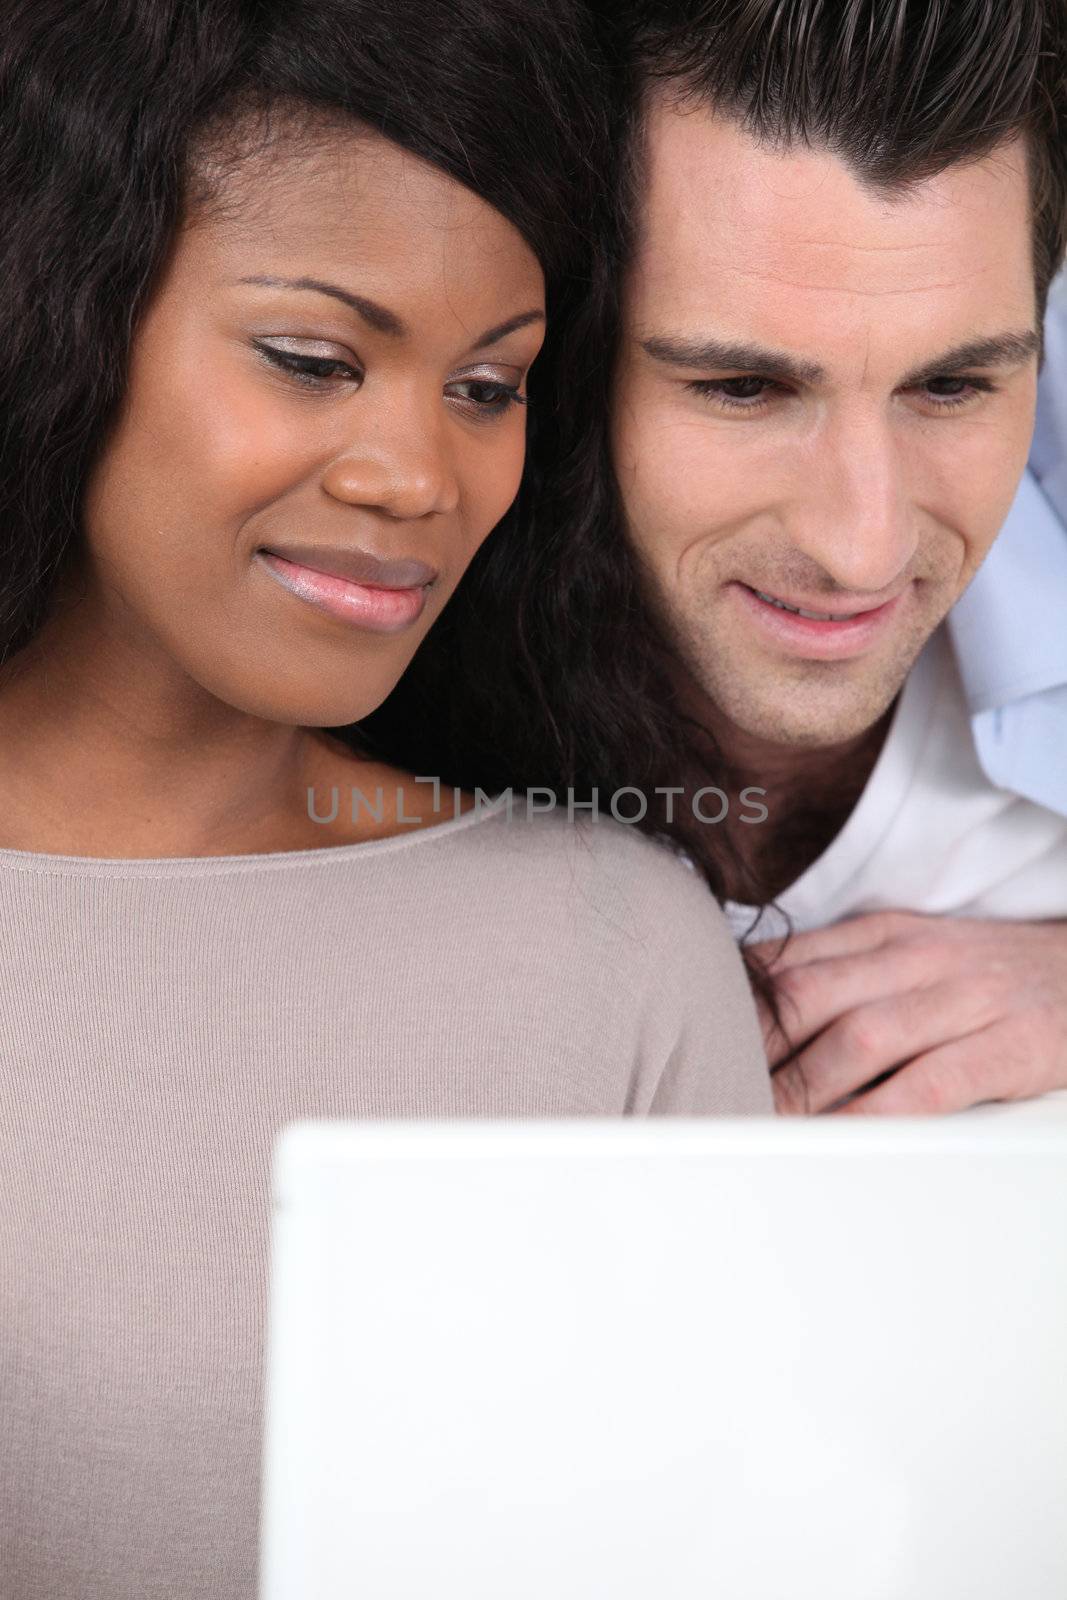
755, 1359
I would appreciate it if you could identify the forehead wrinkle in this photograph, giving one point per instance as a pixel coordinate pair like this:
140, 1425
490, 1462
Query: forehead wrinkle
835, 288
867, 249
668, 264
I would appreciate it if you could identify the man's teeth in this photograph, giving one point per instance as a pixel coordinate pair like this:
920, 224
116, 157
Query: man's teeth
816, 616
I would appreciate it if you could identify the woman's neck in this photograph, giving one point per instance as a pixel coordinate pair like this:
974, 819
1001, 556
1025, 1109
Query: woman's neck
98, 763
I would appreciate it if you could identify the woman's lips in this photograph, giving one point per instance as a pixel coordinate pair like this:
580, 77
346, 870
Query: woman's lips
818, 639
363, 605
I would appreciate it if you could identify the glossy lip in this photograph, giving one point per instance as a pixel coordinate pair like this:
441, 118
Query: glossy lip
373, 606
339, 561
818, 641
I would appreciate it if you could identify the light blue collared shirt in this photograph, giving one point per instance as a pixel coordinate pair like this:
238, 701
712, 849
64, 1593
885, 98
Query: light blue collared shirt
1009, 628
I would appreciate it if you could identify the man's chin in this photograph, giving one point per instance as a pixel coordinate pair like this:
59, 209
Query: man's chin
748, 694
792, 737
812, 718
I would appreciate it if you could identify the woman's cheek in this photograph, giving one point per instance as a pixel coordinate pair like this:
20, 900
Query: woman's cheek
250, 447
494, 483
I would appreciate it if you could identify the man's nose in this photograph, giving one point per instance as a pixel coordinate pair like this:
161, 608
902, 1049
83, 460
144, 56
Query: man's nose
398, 462
853, 513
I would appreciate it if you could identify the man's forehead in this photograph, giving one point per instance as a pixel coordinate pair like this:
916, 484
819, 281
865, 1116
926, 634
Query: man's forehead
719, 210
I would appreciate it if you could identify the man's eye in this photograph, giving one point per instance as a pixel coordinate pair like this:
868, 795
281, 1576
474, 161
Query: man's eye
747, 393
948, 393
311, 371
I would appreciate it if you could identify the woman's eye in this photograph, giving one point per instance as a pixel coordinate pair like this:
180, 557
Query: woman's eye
483, 396
488, 397
747, 393
311, 371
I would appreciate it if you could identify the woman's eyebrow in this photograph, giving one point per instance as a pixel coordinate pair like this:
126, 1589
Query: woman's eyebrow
502, 329
379, 317
376, 316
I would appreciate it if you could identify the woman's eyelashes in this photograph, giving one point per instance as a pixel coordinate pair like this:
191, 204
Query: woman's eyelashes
310, 371
493, 398
750, 394
486, 397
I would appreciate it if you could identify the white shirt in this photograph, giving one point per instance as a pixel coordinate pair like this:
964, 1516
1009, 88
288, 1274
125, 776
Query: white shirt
1009, 629
930, 832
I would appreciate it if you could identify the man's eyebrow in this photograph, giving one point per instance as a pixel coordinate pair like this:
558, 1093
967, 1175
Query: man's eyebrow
379, 317
718, 353
1002, 350
999, 350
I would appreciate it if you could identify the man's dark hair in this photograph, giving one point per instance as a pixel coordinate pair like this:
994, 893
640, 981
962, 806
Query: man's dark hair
897, 89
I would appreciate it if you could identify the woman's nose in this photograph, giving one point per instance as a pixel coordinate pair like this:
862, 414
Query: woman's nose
400, 465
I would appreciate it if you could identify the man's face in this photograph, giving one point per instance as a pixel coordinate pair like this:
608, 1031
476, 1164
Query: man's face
825, 398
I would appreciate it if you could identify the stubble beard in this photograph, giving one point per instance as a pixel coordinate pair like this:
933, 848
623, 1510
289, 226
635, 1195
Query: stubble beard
793, 703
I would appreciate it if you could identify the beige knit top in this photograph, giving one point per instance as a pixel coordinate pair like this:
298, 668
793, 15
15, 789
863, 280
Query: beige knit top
162, 1019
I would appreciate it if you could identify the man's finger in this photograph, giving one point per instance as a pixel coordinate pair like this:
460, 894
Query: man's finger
964, 1072
874, 1038
852, 936
813, 996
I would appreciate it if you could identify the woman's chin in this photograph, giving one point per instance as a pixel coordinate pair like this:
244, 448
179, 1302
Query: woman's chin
309, 705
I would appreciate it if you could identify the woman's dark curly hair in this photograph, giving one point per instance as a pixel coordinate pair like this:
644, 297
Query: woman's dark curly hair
117, 118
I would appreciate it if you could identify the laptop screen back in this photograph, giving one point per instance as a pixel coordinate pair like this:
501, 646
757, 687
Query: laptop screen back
822, 1359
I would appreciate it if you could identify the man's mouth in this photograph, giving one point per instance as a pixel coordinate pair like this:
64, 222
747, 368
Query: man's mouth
812, 633
799, 611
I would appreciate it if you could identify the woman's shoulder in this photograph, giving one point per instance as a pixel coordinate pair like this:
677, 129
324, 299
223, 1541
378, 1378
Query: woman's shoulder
535, 844
561, 875
636, 925
603, 867
579, 924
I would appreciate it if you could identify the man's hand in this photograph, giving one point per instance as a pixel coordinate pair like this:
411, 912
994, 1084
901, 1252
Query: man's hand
968, 1011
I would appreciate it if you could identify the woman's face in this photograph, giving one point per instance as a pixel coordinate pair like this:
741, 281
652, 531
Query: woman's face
335, 366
